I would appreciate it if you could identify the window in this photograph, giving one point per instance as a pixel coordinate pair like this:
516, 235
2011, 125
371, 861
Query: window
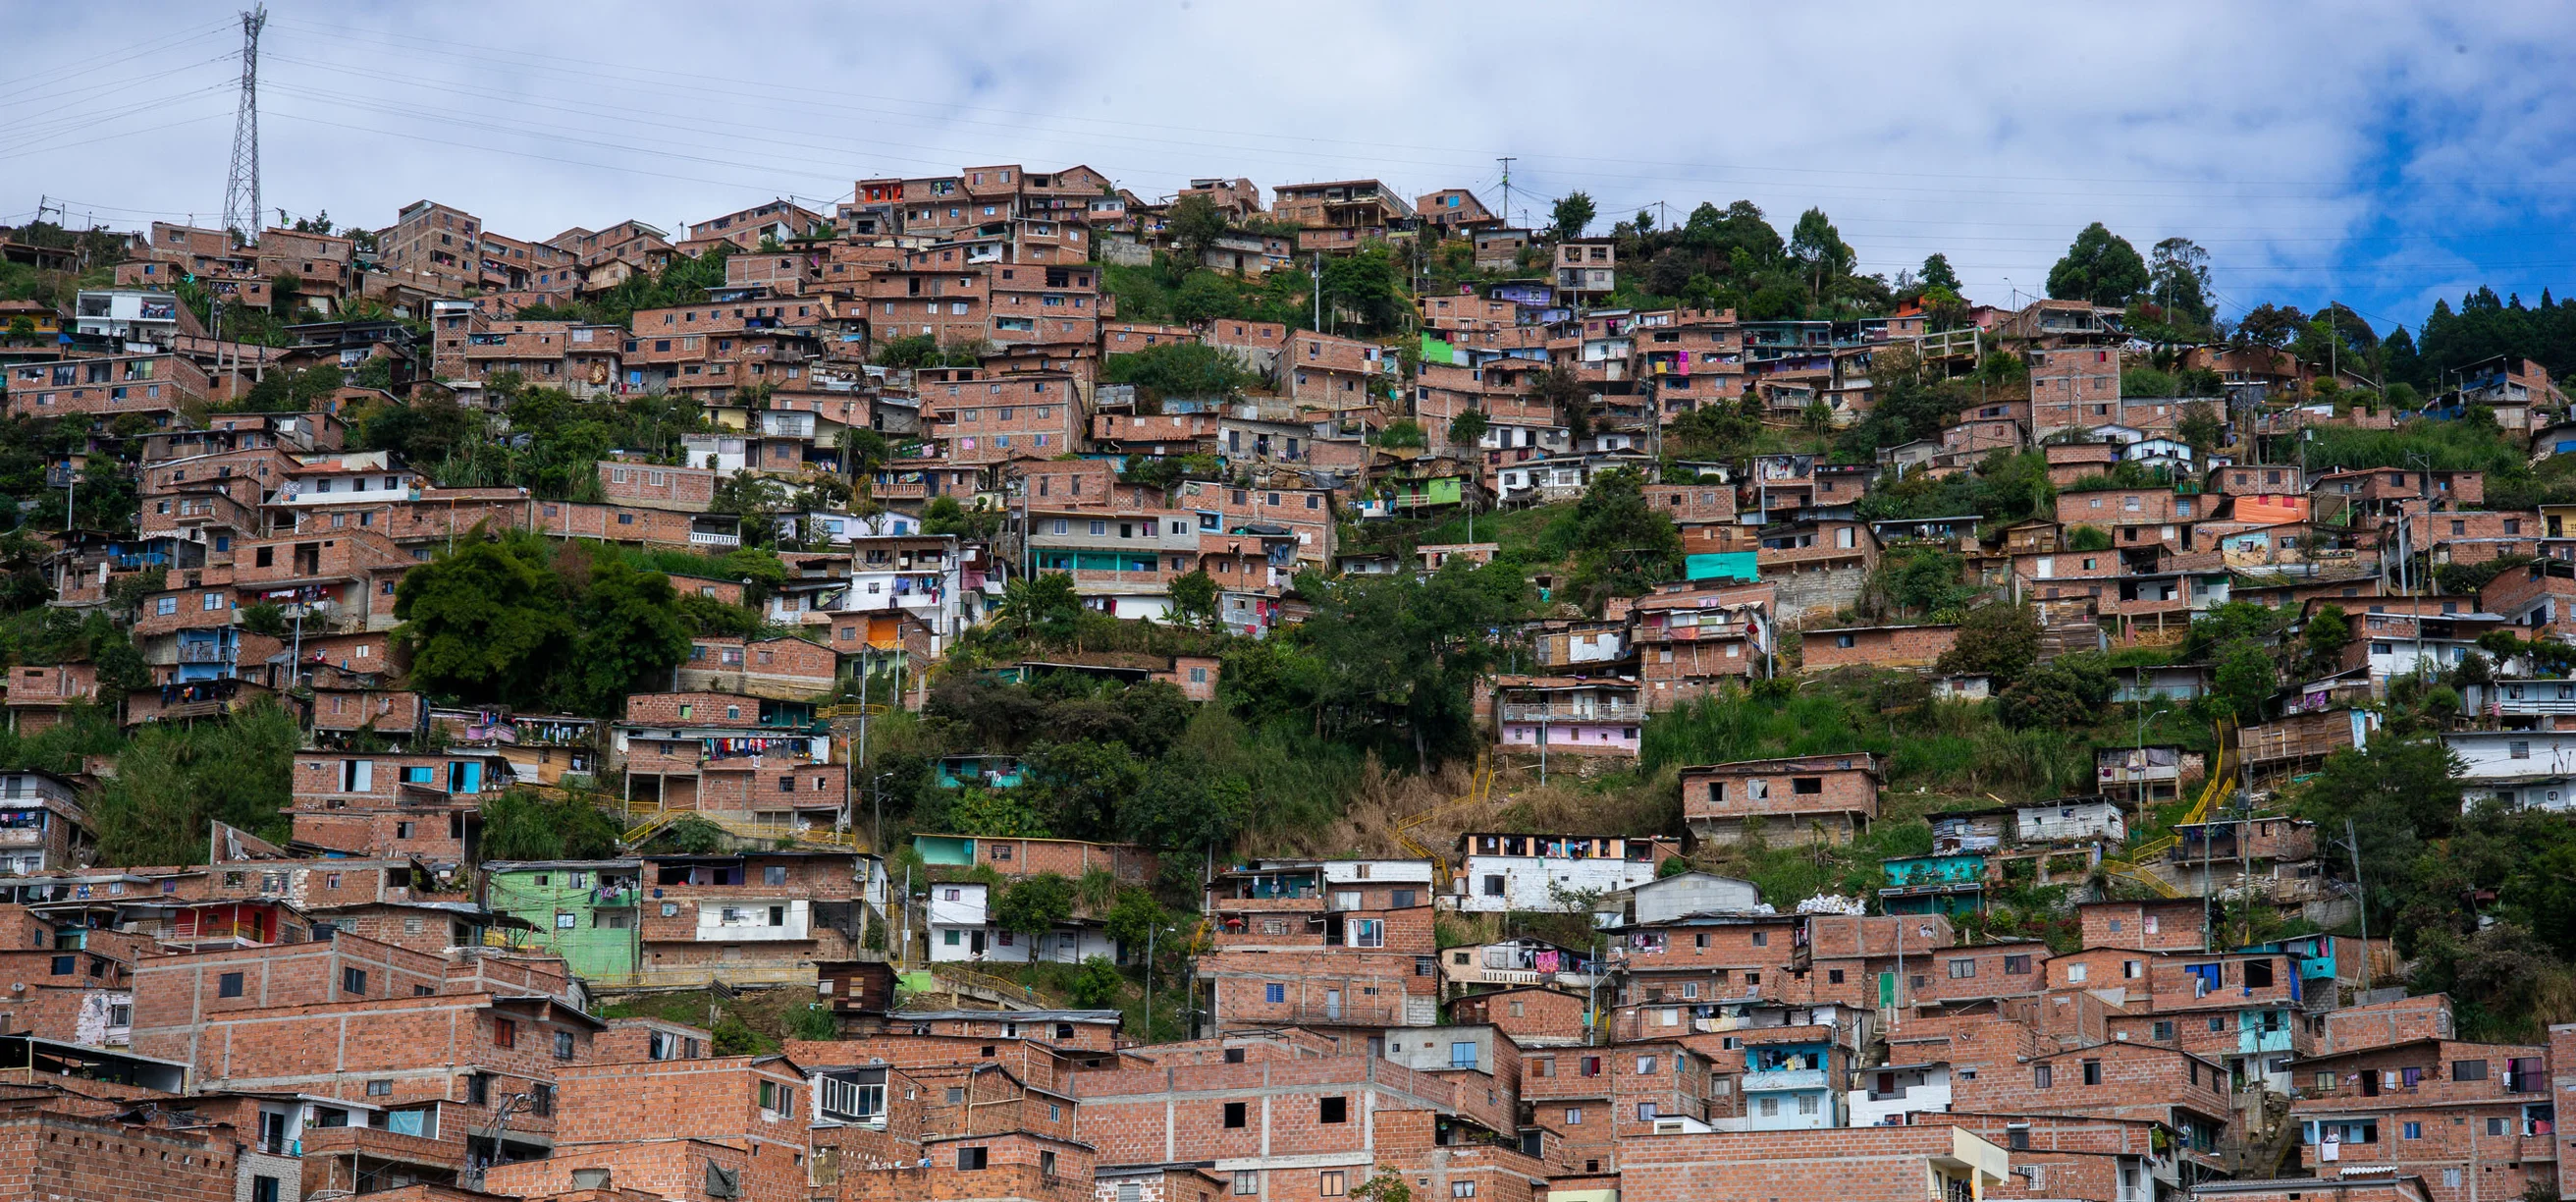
563, 1045
1274, 994
2043, 1076
970, 1160
2495, 1126
1645, 1066
353, 981
2092, 1072
2468, 1070
505, 1033
65, 966
1234, 1114
2411, 1131
1770, 1108
1330, 1184
1645, 1112
1467, 1189
2016, 966
1962, 969
380, 1089
230, 985
1806, 1103
1333, 1110
1573, 1116
1247, 1182
2164, 1031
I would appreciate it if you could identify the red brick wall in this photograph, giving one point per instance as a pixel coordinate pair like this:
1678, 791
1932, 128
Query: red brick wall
49, 1153
1898, 647
1868, 1164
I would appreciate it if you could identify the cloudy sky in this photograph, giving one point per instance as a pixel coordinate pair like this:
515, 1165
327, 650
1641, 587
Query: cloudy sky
2382, 155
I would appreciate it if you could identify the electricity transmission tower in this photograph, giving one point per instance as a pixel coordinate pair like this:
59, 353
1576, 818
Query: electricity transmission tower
241, 189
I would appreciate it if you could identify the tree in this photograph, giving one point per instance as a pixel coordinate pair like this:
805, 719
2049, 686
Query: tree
1386, 1185
173, 780
1096, 983
485, 622
1469, 426
1194, 599
2245, 679
1819, 248
1185, 803
944, 516
1936, 273
2201, 425
1571, 216
2065, 693
997, 812
1621, 545
1042, 609
2178, 280
2100, 267
1370, 286
1394, 656
525, 826
1996, 641
1403, 432
1034, 905
2322, 641
1134, 919
631, 637
1195, 224
1179, 369
2270, 325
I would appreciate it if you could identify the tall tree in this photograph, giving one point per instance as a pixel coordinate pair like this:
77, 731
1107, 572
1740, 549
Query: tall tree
1572, 215
1821, 253
485, 622
1195, 224
631, 637
2100, 267
2178, 280
1398, 654
1936, 273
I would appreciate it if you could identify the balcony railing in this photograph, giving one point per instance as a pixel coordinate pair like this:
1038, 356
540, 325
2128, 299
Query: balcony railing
1573, 713
706, 538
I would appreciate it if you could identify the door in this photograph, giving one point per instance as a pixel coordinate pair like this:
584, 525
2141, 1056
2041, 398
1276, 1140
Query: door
1332, 1003
975, 942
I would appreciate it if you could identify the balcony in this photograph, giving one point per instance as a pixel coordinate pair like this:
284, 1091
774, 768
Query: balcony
1784, 1078
205, 653
1574, 713
706, 538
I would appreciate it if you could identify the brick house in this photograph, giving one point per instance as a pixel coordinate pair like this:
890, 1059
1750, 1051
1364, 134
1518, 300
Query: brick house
1836, 796
658, 1125
2469, 1118
781, 668
1877, 646
1872, 1164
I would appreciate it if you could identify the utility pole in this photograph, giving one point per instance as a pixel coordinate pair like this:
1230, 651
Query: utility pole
241, 187
2361, 899
1506, 161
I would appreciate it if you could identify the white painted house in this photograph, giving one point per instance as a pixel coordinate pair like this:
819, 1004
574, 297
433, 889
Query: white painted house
2534, 768
960, 921
1552, 872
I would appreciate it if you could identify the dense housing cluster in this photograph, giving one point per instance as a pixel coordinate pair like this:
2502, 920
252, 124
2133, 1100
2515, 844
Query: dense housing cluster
569, 581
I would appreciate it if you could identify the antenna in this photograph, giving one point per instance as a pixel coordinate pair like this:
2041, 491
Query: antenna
241, 187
